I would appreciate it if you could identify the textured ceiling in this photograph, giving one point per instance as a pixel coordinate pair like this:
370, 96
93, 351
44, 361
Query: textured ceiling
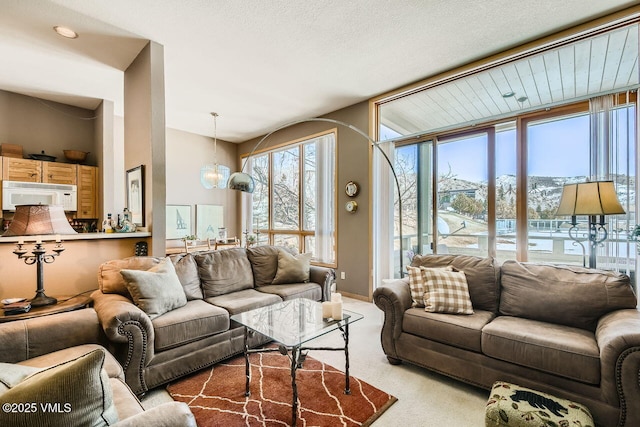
261, 64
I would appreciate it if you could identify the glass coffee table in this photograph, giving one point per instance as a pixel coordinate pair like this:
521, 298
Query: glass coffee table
291, 324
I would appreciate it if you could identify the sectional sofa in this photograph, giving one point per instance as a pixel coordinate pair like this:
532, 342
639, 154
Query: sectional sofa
569, 331
160, 337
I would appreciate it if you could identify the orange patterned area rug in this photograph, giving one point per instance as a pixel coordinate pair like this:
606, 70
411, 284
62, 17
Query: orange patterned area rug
216, 395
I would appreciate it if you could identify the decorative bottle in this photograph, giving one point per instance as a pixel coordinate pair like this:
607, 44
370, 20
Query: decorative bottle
107, 224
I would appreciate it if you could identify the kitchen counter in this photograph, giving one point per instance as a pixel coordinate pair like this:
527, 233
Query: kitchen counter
79, 236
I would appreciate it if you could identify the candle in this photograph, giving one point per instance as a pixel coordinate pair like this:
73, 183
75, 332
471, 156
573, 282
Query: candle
38, 239
21, 241
336, 310
58, 240
336, 297
327, 309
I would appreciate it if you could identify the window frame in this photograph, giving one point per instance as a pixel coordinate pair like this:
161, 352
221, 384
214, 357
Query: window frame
300, 233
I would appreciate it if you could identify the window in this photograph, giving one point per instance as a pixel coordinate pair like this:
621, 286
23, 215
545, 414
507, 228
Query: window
293, 204
497, 198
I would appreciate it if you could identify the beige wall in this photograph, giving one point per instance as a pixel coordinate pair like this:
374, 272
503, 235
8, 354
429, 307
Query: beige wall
144, 135
186, 154
354, 230
38, 125
74, 271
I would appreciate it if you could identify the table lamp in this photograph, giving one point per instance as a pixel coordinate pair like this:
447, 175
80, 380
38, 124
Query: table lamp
39, 220
596, 198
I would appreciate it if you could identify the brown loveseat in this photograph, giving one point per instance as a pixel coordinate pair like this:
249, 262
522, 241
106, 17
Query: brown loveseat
217, 284
569, 331
56, 342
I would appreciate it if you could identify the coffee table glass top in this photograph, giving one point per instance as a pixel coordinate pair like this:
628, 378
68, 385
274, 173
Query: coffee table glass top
293, 322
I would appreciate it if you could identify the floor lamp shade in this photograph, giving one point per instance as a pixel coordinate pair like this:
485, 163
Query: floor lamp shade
34, 220
590, 198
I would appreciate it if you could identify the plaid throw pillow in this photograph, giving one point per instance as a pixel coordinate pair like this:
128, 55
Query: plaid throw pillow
446, 292
417, 283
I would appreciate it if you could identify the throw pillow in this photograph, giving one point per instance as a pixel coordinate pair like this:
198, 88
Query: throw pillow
292, 268
74, 393
12, 374
417, 284
447, 292
157, 290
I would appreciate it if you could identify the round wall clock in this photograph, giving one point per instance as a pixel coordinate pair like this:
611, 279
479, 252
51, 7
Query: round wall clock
351, 189
351, 206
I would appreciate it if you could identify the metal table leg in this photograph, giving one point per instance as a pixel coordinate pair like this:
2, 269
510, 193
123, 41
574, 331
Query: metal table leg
295, 354
247, 371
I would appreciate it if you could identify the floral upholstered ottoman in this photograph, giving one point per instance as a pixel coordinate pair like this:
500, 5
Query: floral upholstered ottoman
514, 406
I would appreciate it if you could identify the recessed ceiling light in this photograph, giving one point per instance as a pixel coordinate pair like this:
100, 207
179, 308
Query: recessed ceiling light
522, 99
508, 94
65, 32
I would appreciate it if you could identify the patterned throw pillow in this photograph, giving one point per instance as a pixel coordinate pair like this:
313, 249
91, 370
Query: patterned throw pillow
417, 283
446, 292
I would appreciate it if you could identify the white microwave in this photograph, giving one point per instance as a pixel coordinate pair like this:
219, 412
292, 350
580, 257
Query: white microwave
16, 193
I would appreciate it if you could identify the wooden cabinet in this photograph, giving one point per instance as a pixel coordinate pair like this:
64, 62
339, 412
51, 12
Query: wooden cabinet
59, 173
87, 178
25, 170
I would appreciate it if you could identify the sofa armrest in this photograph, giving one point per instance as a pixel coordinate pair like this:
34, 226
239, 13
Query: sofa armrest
324, 276
618, 337
24, 339
393, 298
170, 414
130, 331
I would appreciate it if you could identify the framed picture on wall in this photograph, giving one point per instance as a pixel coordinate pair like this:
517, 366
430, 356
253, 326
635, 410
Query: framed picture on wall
135, 194
178, 221
209, 218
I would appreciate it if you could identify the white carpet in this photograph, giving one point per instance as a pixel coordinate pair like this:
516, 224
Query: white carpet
424, 398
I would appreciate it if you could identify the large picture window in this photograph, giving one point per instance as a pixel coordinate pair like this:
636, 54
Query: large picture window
293, 204
497, 189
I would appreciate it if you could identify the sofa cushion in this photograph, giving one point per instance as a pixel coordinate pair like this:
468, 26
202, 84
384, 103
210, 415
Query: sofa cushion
560, 350
563, 294
483, 276
80, 387
292, 268
241, 301
187, 271
195, 320
459, 331
110, 281
157, 290
264, 262
447, 292
223, 272
294, 290
417, 284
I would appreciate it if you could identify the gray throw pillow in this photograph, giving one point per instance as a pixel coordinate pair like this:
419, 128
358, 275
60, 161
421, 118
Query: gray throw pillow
12, 374
157, 290
73, 393
292, 268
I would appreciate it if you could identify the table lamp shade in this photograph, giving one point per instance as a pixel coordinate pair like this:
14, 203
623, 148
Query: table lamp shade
589, 198
33, 220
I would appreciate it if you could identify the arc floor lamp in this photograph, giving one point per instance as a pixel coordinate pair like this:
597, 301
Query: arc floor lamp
242, 181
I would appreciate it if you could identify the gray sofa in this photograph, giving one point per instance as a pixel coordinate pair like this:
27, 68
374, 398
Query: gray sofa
217, 284
56, 340
568, 331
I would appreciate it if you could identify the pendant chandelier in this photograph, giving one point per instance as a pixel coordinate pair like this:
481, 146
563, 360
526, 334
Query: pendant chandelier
214, 175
